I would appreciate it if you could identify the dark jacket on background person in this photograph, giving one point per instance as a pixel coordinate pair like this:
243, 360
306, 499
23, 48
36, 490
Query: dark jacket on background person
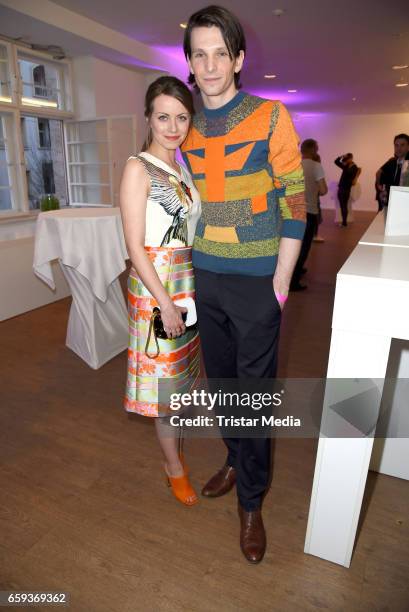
348, 174
390, 174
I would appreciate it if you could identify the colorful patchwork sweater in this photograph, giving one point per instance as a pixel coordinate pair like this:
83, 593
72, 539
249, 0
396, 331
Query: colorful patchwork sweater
245, 163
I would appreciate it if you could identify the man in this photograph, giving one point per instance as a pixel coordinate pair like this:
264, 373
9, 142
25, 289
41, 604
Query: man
315, 186
389, 174
242, 152
349, 176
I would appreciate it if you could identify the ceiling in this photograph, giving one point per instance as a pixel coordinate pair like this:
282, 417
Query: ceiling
337, 54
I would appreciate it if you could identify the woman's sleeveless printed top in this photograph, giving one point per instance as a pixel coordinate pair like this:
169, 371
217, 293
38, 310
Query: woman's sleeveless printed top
173, 205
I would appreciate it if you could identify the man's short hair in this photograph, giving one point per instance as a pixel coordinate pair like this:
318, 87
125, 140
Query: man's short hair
229, 26
309, 146
401, 136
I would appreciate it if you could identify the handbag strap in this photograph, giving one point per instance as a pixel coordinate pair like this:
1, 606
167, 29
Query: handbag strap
153, 316
148, 340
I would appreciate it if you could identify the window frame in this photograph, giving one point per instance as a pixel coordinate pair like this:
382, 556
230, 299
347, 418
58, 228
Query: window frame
18, 110
17, 185
64, 68
11, 74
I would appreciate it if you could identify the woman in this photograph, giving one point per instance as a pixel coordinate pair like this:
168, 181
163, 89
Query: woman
160, 208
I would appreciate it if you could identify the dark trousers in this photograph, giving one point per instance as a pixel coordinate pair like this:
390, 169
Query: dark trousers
239, 323
343, 197
310, 230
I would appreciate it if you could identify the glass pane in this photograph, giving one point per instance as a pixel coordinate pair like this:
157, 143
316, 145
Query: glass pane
44, 157
41, 83
5, 182
91, 195
89, 173
87, 132
4, 76
5, 198
88, 153
88, 162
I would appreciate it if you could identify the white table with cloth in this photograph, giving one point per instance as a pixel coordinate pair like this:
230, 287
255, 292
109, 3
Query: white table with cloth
90, 246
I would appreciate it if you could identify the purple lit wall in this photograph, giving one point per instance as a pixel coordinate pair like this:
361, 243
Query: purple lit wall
179, 66
294, 101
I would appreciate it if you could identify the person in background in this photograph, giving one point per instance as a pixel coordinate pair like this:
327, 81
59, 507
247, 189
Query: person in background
390, 173
160, 208
317, 237
349, 176
315, 186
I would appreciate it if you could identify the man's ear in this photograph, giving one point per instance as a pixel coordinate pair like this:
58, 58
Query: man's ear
239, 61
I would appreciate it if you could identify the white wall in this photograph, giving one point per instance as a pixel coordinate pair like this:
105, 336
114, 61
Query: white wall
84, 87
102, 89
368, 137
118, 91
20, 289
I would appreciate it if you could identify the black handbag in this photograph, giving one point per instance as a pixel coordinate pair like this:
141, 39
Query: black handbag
156, 326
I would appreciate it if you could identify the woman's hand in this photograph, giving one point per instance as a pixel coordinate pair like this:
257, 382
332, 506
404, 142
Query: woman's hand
172, 320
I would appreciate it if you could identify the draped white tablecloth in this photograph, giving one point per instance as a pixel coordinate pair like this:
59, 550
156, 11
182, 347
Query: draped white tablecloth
90, 246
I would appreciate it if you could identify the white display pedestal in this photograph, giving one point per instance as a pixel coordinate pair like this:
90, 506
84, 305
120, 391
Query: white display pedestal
371, 308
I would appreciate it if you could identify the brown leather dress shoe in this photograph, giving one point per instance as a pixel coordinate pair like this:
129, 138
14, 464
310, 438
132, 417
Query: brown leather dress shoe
222, 482
252, 535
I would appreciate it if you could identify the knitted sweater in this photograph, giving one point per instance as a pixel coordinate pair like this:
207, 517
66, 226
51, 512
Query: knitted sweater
245, 163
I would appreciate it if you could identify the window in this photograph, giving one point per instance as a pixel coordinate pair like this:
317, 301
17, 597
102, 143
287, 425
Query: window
48, 177
88, 160
44, 84
35, 95
40, 84
91, 146
45, 165
44, 133
39, 81
28, 183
